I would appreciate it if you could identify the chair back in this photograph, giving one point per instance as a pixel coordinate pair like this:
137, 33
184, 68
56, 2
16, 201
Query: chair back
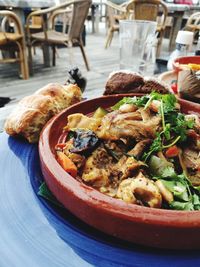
13, 41
79, 14
115, 11
147, 10
9, 18
193, 20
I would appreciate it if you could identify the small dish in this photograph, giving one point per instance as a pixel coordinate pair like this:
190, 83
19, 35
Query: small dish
184, 61
141, 225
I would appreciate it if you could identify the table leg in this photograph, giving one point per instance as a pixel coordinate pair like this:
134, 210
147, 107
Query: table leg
46, 55
46, 47
93, 17
178, 17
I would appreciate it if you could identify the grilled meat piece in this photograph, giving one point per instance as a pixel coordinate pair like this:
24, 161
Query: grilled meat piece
191, 159
116, 125
80, 121
139, 148
140, 190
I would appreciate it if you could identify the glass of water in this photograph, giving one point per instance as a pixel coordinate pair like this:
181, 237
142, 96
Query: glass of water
138, 44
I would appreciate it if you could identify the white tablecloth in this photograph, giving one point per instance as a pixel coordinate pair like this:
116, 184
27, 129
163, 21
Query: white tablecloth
28, 3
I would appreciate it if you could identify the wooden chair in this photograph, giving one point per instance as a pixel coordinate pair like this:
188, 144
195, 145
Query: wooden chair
50, 37
13, 42
193, 24
149, 10
114, 14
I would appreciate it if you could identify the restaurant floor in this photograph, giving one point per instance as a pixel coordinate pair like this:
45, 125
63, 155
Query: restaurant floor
102, 62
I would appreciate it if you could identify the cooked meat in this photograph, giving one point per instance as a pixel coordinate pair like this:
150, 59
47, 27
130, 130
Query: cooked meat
127, 165
196, 119
128, 108
165, 193
191, 159
98, 167
139, 148
146, 114
116, 125
195, 178
116, 149
140, 189
125, 191
80, 121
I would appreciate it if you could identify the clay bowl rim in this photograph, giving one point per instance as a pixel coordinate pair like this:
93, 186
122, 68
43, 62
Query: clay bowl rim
98, 200
180, 60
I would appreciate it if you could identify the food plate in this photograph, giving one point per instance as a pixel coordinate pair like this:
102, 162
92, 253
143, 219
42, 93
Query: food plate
36, 233
185, 60
169, 77
141, 225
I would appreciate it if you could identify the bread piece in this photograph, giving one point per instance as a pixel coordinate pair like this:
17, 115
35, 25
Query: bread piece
153, 84
32, 112
122, 82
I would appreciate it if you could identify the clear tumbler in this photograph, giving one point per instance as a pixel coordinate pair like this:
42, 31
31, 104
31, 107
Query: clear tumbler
138, 46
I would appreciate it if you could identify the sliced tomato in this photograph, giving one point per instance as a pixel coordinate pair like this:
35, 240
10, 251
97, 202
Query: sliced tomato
172, 152
174, 87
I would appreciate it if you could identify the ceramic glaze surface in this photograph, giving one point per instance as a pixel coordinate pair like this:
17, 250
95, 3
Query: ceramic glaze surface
185, 60
35, 233
134, 223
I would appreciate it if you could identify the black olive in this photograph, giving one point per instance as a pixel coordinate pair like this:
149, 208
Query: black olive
84, 141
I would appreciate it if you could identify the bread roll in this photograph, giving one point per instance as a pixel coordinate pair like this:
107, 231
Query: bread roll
124, 82
121, 82
32, 112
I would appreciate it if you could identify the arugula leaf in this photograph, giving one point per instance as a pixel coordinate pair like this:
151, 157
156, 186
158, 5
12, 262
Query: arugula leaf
161, 168
138, 101
155, 147
125, 100
178, 189
169, 101
178, 205
46, 194
196, 201
182, 126
192, 204
168, 172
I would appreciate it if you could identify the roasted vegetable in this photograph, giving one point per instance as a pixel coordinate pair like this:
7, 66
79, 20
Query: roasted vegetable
100, 113
67, 164
84, 141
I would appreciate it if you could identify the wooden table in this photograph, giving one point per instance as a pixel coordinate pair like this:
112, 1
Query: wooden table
177, 12
28, 3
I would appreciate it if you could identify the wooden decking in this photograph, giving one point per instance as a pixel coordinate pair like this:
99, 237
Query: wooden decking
101, 61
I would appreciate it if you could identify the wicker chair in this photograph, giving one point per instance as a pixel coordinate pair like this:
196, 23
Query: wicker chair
149, 10
13, 42
49, 36
193, 24
114, 14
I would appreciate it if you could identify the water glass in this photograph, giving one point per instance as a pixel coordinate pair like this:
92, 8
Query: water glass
138, 44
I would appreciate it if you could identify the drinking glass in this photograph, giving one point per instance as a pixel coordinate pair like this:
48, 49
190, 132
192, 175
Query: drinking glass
138, 46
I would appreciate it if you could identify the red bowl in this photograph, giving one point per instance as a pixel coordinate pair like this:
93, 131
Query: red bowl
185, 60
141, 225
